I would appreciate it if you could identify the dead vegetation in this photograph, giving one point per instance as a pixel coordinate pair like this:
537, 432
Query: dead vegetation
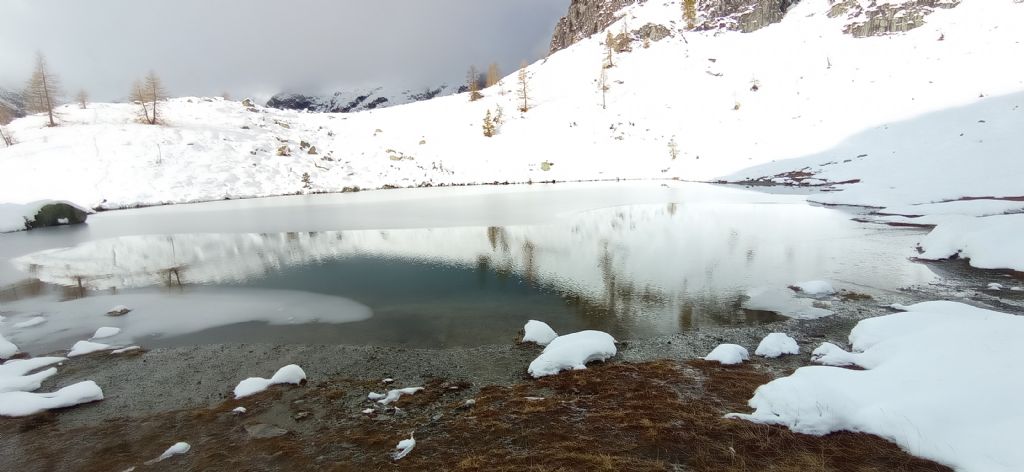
661, 415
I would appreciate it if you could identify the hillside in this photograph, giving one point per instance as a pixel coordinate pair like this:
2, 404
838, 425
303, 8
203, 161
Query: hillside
799, 93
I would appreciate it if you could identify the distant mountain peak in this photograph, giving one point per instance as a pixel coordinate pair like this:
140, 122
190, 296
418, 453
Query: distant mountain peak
355, 100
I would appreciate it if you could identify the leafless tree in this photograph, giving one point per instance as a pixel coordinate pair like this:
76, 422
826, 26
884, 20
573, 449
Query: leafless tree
690, 13
83, 99
602, 85
524, 88
493, 74
609, 46
148, 93
43, 90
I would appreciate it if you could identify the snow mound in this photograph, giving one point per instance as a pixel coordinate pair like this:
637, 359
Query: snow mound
538, 332
291, 374
573, 351
82, 348
14, 378
7, 348
994, 286
777, 344
27, 403
34, 321
940, 381
830, 354
175, 450
393, 395
815, 287
239, 410
784, 302
728, 354
404, 447
106, 332
991, 242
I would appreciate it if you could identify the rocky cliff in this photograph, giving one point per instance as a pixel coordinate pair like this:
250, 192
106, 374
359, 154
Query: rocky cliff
586, 17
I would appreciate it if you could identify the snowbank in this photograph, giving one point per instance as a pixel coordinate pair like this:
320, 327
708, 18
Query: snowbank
27, 403
7, 348
19, 217
777, 344
941, 380
291, 374
992, 242
538, 332
573, 351
728, 354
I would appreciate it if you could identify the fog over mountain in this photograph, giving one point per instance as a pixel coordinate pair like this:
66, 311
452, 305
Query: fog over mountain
261, 47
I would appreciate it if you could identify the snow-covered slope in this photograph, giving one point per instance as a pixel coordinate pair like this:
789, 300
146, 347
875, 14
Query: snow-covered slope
817, 91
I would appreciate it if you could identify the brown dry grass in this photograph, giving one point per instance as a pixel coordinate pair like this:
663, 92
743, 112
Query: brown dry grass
611, 417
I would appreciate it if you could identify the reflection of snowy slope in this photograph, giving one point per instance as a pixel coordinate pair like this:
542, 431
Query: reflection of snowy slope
627, 259
169, 314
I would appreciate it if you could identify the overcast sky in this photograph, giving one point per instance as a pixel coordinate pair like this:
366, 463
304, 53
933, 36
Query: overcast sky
259, 47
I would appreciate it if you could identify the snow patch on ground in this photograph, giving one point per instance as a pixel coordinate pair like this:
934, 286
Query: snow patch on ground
784, 302
28, 403
82, 348
15, 377
728, 354
573, 351
393, 395
941, 380
777, 344
105, 332
538, 332
175, 450
289, 374
815, 287
404, 447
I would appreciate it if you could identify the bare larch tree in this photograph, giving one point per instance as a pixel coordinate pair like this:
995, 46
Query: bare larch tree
148, 93
43, 90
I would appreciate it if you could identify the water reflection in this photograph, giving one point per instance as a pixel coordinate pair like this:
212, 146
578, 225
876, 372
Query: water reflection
632, 270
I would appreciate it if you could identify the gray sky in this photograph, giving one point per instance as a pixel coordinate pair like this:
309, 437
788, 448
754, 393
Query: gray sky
259, 47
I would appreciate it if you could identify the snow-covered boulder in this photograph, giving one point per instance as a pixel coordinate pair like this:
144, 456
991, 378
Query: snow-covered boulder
728, 354
291, 374
941, 380
777, 344
573, 351
992, 242
18, 217
538, 332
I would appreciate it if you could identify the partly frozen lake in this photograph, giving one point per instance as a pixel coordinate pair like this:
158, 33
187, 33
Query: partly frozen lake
436, 267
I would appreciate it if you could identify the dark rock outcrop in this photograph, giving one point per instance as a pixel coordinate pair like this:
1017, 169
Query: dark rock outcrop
742, 15
585, 18
876, 20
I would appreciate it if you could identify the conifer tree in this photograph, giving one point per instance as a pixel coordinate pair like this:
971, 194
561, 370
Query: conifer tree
488, 125
473, 82
43, 90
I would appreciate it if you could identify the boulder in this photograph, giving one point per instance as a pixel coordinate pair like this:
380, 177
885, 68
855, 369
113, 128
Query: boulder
57, 213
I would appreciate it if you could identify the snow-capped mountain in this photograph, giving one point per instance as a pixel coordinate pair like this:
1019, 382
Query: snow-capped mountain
356, 100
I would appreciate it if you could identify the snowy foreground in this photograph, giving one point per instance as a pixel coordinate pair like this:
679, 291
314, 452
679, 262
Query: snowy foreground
941, 380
